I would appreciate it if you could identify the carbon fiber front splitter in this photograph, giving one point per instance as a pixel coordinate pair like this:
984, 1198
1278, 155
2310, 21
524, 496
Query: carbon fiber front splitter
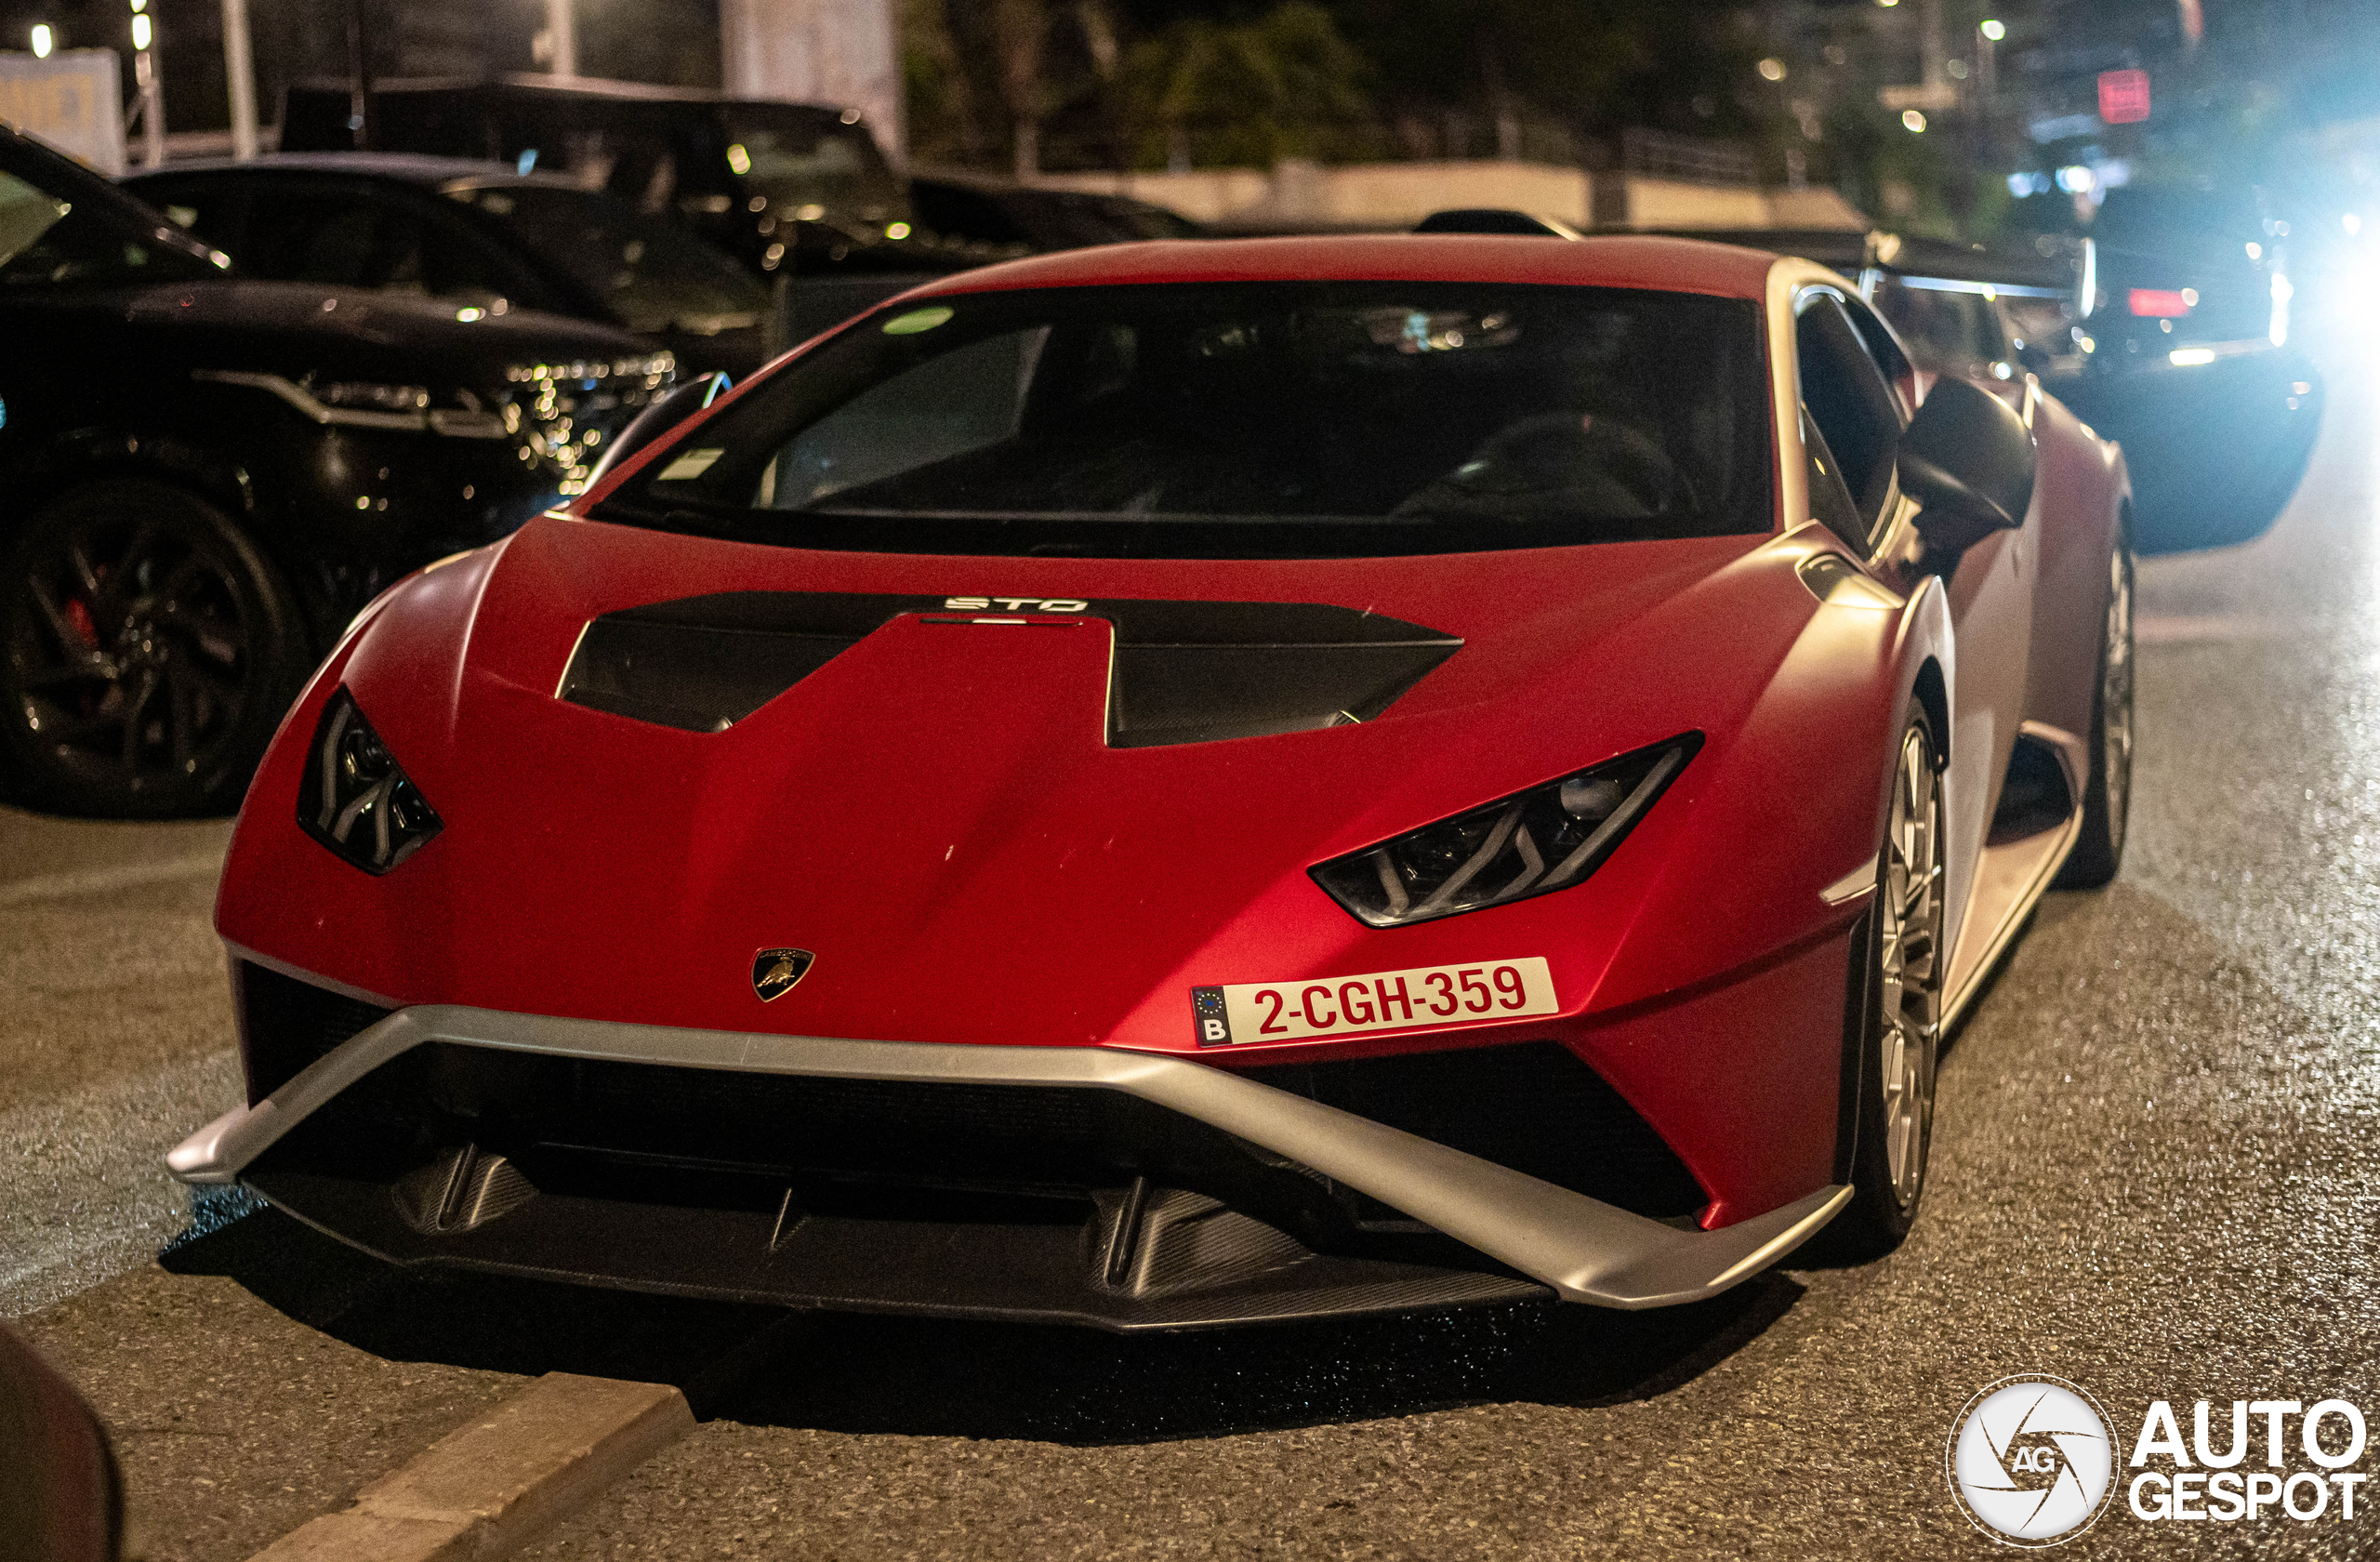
1579, 1248
1196, 1265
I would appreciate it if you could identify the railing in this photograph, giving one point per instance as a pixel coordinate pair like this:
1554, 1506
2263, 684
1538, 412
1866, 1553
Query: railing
1659, 154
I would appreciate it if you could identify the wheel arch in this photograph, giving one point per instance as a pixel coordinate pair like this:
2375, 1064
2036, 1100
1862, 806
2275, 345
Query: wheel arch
1929, 692
95, 454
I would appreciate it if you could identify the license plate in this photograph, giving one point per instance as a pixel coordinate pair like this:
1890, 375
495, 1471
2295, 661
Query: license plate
1420, 997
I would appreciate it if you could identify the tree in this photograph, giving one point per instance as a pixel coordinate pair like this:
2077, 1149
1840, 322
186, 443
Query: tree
1251, 92
1019, 29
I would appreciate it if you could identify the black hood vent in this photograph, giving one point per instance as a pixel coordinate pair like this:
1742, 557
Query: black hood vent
702, 664
1184, 671
1194, 672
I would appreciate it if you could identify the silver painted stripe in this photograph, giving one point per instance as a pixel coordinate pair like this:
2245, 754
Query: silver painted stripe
442, 420
1586, 1249
1860, 880
1986, 289
297, 396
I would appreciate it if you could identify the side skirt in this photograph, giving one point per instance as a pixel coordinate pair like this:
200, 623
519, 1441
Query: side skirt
2016, 868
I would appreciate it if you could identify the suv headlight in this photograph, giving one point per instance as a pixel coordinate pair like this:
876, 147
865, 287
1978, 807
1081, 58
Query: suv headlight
1531, 844
374, 396
356, 798
563, 413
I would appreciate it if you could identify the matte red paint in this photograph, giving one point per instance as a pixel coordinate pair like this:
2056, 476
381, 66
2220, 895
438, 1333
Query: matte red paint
937, 814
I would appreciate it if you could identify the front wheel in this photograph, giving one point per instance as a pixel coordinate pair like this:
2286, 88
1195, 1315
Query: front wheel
2106, 795
1900, 1014
147, 652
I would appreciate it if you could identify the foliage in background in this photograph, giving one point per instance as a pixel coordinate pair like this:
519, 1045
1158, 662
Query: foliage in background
1153, 84
1246, 93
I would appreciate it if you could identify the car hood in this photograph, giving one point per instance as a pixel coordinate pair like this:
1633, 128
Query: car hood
295, 328
939, 814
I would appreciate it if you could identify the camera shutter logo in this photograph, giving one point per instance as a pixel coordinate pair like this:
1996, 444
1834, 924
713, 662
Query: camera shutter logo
2031, 1460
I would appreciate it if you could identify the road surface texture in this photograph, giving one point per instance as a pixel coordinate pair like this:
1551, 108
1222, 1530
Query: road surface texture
2153, 1175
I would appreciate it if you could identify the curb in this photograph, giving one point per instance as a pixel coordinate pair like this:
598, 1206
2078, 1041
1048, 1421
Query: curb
487, 1489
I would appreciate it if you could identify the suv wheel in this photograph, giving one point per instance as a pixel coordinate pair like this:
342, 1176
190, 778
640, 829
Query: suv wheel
147, 652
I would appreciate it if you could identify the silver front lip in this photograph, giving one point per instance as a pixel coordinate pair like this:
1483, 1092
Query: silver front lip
1585, 1249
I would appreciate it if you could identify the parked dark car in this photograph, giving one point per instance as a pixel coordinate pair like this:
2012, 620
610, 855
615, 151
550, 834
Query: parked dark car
204, 478
1015, 220
793, 190
475, 233
2177, 350
2195, 366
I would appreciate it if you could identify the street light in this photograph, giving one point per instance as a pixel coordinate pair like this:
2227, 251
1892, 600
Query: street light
144, 78
1994, 29
1914, 121
43, 41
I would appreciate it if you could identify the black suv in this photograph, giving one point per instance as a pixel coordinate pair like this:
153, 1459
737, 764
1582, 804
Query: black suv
204, 478
474, 233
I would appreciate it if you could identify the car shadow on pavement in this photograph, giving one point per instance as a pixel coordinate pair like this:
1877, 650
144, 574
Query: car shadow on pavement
855, 1374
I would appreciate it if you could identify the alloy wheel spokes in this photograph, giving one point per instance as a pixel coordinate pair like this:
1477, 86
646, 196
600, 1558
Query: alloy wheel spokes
1910, 935
136, 657
2115, 697
136, 706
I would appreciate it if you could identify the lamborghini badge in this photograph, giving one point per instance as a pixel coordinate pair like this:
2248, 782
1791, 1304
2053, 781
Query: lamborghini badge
776, 971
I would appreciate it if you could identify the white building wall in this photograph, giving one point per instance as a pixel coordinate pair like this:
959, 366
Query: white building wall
836, 52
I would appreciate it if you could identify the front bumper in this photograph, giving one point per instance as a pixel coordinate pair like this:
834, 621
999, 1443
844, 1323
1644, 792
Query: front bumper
1145, 1258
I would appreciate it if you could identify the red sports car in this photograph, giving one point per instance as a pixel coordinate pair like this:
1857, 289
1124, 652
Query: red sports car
1199, 783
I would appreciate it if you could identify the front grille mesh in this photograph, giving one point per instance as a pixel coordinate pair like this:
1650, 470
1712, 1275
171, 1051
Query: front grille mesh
1534, 1108
286, 1024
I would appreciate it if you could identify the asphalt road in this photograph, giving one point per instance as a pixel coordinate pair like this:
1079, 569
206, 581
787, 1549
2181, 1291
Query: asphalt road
2153, 1177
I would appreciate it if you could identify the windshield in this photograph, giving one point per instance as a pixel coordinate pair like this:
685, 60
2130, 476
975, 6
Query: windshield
64, 237
1243, 420
653, 275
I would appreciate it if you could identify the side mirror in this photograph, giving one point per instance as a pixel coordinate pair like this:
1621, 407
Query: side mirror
1968, 459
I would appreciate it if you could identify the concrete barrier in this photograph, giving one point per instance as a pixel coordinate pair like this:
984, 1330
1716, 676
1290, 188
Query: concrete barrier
1300, 194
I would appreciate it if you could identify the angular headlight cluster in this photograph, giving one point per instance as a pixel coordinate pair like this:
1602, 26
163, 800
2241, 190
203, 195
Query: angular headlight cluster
1546, 838
356, 798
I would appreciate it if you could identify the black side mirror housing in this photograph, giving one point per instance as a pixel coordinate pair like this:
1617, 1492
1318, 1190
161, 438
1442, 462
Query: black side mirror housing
1969, 460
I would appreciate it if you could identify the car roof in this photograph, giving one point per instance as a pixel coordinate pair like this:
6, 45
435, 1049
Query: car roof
400, 167
1670, 265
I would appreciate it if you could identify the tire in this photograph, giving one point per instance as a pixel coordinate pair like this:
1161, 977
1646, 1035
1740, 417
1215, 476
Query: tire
147, 651
1897, 1016
2107, 793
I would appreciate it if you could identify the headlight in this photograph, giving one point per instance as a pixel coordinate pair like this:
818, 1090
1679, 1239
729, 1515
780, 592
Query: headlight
356, 798
1531, 844
563, 413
